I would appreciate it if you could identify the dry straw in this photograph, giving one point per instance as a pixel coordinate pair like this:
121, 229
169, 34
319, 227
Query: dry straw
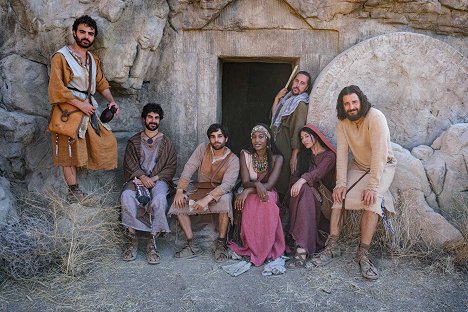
52, 234
458, 216
408, 239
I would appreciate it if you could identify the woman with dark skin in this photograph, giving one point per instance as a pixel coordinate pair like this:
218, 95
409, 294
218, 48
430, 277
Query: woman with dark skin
261, 231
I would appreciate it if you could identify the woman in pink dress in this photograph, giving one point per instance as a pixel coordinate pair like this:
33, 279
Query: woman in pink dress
261, 231
308, 225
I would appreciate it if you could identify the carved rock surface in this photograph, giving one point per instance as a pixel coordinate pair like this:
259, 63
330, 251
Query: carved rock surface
441, 16
411, 190
413, 79
111, 9
422, 152
7, 203
24, 144
23, 85
127, 48
447, 169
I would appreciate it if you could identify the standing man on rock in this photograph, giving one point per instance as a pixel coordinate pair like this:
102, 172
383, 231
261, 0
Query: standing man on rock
289, 115
95, 147
364, 185
150, 161
218, 169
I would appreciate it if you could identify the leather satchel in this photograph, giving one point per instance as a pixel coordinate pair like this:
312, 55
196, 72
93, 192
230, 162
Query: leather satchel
65, 119
327, 200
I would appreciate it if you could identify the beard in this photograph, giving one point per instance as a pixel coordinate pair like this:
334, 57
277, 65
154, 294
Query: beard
295, 91
354, 117
152, 126
218, 146
81, 44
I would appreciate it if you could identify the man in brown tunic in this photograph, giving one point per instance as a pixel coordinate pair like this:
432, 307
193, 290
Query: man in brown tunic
289, 115
218, 169
150, 161
364, 184
95, 147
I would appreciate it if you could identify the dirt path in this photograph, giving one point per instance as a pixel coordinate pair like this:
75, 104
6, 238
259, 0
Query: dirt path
200, 285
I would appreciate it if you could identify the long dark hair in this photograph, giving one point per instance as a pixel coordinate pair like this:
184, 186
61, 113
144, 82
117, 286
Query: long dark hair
305, 154
365, 104
272, 149
309, 81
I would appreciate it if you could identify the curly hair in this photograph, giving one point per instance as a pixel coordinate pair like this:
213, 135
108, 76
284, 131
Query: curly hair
365, 104
152, 108
86, 20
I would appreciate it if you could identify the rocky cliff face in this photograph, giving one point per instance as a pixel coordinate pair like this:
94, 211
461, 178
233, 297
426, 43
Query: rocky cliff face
170, 51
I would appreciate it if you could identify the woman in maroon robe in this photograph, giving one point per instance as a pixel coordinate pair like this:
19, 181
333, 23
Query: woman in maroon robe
308, 227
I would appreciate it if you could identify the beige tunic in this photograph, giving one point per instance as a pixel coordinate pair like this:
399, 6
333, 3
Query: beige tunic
369, 142
202, 161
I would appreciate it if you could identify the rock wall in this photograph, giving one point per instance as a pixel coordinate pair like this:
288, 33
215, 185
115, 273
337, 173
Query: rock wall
446, 165
7, 203
171, 51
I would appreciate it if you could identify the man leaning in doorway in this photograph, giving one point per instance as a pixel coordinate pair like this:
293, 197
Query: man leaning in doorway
289, 115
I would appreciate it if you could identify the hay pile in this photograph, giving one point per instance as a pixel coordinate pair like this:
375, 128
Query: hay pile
407, 240
51, 234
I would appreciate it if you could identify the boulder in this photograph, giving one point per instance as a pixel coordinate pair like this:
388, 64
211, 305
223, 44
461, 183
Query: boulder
447, 170
415, 201
422, 152
24, 144
410, 175
23, 87
7, 203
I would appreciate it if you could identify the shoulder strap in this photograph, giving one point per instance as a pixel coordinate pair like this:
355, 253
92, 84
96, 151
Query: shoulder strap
221, 165
350, 188
354, 184
90, 75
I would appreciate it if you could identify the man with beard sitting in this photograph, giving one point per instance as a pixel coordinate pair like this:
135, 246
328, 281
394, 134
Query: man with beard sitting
150, 163
218, 169
364, 183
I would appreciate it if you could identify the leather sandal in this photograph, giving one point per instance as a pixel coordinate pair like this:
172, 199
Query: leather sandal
298, 261
331, 251
368, 269
220, 251
76, 195
152, 254
130, 252
188, 251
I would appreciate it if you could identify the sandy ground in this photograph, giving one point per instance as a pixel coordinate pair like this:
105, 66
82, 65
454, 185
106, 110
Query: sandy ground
200, 284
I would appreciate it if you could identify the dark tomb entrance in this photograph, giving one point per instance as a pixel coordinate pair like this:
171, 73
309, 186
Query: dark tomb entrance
248, 90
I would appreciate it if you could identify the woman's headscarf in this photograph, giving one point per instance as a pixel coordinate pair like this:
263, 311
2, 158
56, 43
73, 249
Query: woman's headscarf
321, 136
